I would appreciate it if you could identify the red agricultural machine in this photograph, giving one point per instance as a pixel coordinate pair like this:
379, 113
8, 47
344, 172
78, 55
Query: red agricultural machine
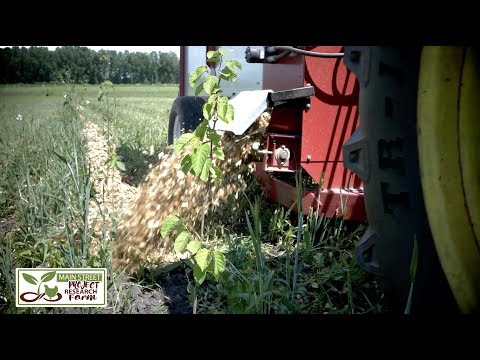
389, 133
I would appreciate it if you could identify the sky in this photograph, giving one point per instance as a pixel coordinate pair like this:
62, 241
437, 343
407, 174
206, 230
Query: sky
147, 49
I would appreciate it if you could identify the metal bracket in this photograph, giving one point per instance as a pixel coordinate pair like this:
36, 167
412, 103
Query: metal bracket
291, 98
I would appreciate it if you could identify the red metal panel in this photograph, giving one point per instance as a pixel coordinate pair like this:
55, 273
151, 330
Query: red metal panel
331, 202
331, 119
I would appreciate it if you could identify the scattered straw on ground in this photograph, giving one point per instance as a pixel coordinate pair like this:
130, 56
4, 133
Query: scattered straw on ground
168, 191
111, 192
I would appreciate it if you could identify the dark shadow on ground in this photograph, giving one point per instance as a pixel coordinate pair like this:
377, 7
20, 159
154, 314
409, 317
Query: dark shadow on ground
171, 282
136, 164
174, 286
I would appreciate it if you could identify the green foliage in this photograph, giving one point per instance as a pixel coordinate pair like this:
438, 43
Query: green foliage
114, 162
169, 225
202, 147
205, 143
38, 64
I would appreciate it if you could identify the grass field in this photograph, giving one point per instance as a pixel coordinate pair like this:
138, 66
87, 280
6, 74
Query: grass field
45, 185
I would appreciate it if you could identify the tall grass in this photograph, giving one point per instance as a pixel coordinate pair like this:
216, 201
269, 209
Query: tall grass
50, 189
286, 262
46, 190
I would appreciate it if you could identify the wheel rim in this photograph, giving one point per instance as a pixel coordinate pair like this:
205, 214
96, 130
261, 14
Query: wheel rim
448, 135
177, 128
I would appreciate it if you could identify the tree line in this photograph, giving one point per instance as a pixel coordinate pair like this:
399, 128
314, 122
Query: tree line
83, 65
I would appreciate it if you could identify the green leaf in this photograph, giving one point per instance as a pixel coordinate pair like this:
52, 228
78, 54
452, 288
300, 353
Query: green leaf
230, 113
181, 242
169, 224
199, 274
218, 173
62, 158
222, 107
210, 82
189, 263
232, 64
196, 74
220, 263
213, 136
193, 78
216, 53
224, 51
30, 279
214, 59
206, 169
193, 246
228, 74
414, 262
207, 111
182, 141
186, 163
199, 90
200, 130
222, 100
212, 172
48, 276
171, 267
203, 258
212, 99
199, 158
120, 165
218, 152
211, 267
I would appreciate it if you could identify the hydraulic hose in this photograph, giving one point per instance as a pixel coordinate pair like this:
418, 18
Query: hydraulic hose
305, 52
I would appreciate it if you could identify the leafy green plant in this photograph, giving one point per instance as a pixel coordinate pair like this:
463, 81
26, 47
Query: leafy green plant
202, 148
113, 161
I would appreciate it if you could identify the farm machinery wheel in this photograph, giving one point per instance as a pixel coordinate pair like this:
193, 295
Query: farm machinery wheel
448, 134
384, 153
185, 115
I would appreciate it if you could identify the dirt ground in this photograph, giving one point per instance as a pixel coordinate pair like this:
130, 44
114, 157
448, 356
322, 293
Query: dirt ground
170, 298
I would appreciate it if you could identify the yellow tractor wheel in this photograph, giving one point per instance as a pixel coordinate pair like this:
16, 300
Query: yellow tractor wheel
448, 126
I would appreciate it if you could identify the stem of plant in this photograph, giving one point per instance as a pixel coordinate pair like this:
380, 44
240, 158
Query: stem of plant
195, 299
299, 232
409, 301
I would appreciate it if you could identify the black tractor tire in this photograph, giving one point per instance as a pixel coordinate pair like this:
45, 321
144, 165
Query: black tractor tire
383, 152
185, 115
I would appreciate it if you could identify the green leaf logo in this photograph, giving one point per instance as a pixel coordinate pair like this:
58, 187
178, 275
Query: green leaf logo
30, 279
48, 276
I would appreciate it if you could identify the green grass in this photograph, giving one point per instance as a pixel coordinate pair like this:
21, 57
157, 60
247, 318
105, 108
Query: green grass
45, 185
